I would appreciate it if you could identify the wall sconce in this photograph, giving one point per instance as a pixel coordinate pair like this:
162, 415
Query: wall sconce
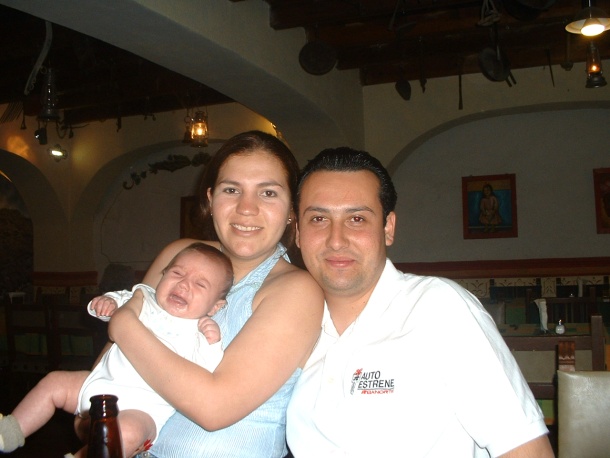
48, 98
199, 130
590, 21
58, 153
41, 135
594, 67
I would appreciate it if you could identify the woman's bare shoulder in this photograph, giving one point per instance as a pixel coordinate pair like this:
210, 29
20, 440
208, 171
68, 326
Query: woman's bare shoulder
288, 307
288, 282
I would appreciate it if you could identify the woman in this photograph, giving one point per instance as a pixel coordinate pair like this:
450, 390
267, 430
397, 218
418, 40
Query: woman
271, 322
488, 207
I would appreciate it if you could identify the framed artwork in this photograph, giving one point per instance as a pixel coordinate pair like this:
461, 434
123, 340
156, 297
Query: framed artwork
188, 217
601, 183
489, 206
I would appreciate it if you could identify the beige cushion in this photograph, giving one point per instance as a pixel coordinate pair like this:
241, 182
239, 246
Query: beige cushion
541, 366
584, 414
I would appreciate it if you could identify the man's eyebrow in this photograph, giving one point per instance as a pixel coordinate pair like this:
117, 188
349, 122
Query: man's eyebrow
364, 208
316, 209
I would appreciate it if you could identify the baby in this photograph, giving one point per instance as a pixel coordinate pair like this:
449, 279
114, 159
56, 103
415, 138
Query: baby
193, 287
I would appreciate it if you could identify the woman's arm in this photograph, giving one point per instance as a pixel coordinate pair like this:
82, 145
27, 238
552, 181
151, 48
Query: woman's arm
276, 340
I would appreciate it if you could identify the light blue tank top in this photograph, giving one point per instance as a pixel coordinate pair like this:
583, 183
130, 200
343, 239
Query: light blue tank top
263, 432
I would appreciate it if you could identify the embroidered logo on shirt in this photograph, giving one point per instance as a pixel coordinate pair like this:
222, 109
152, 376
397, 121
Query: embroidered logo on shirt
371, 383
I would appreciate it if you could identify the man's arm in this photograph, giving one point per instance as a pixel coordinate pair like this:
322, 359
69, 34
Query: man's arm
536, 448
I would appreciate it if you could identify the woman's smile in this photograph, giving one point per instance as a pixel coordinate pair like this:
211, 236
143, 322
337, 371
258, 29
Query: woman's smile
246, 228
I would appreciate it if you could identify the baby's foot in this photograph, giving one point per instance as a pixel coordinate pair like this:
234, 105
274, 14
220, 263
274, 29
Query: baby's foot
11, 436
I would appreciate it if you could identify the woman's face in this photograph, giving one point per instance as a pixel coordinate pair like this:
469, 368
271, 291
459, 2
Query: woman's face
250, 204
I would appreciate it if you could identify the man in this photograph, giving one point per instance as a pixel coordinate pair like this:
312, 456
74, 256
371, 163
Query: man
406, 365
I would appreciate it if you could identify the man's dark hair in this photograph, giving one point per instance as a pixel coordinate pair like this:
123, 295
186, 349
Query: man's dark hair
346, 159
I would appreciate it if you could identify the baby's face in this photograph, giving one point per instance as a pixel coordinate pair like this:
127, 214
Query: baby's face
191, 286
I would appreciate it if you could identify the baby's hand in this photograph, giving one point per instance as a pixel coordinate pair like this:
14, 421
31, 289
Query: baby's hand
103, 305
210, 329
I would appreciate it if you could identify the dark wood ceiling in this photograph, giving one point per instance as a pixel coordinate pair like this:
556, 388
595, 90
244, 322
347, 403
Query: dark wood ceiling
387, 40
94, 80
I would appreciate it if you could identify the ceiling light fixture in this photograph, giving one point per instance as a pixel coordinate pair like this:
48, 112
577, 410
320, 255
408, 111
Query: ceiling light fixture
58, 153
590, 21
594, 67
48, 98
199, 130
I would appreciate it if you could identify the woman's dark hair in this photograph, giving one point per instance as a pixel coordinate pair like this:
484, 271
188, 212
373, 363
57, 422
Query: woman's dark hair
346, 159
246, 143
214, 255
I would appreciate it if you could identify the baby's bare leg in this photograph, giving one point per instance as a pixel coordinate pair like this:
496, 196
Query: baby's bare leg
137, 427
57, 390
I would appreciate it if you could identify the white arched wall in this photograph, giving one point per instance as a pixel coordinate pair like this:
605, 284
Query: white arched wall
130, 226
552, 149
392, 124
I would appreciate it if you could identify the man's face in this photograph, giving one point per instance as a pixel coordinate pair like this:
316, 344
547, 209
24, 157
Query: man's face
341, 232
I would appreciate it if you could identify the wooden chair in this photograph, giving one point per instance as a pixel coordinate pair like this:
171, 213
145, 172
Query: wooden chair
28, 333
570, 309
564, 348
77, 338
567, 309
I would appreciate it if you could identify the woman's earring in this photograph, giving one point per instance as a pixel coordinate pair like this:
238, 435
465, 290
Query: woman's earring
289, 221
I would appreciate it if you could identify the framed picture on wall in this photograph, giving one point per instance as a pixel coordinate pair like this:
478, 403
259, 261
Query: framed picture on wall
489, 204
601, 183
188, 217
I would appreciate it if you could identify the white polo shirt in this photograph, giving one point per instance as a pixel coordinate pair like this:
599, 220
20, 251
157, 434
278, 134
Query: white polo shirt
422, 372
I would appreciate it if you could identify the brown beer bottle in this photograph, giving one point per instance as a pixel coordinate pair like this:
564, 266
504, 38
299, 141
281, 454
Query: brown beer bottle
104, 435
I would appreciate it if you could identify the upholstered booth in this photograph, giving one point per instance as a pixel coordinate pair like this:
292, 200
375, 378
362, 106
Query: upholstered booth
584, 414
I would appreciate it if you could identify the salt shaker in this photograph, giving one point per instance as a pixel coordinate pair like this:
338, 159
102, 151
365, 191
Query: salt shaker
560, 328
